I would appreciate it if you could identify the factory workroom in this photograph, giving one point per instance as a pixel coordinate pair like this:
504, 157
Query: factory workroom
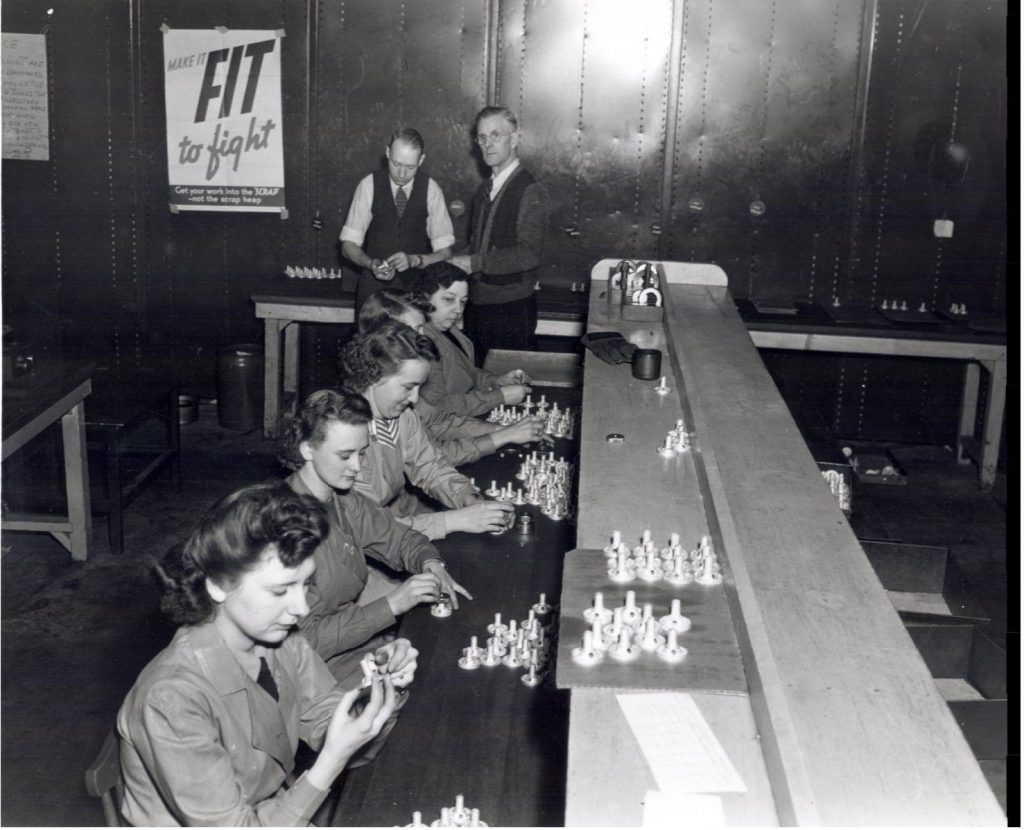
511, 414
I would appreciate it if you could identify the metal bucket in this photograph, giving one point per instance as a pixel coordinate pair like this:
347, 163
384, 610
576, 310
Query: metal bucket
188, 409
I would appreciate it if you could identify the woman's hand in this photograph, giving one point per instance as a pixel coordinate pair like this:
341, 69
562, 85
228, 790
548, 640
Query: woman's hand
515, 393
524, 431
401, 661
516, 376
448, 585
482, 517
419, 588
347, 732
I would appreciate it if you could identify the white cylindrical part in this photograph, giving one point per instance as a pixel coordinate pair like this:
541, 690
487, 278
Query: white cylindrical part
630, 599
676, 609
616, 539
673, 539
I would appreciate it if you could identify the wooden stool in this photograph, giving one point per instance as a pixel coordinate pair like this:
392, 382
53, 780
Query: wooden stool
122, 403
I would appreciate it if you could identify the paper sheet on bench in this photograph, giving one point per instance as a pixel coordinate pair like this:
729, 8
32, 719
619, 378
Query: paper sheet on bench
679, 746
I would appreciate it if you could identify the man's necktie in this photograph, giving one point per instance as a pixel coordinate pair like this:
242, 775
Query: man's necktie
400, 201
266, 679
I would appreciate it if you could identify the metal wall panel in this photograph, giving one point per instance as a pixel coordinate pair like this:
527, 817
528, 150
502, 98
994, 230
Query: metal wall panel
934, 149
202, 267
385, 65
765, 114
767, 105
589, 83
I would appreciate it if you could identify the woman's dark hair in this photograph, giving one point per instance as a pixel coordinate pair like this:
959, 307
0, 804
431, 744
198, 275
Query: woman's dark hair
377, 354
231, 539
435, 276
388, 304
317, 412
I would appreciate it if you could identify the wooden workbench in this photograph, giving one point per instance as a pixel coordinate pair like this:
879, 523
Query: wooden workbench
842, 723
289, 303
286, 303
482, 733
53, 391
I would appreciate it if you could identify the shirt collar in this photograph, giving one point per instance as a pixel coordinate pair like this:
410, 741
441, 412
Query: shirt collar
502, 177
219, 663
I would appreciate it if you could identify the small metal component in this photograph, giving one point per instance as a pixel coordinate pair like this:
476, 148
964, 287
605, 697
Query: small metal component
443, 606
541, 605
757, 208
674, 621
524, 523
469, 660
586, 654
531, 678
615, 438
671, 652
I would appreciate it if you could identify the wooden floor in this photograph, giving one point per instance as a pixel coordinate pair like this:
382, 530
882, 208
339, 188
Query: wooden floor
75, 635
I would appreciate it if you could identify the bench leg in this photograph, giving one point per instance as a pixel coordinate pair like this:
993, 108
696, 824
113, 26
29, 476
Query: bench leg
968, 409
993, 426
115, 513
76, 480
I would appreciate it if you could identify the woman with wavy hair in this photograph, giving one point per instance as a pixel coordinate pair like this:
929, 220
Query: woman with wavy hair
462, 439
387, 366
455, 384
210, 729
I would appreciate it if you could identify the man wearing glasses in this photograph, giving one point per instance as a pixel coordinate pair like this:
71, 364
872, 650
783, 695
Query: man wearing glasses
506, 238
398, 221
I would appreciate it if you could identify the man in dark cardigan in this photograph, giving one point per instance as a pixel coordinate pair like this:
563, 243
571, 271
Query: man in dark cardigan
398, 222
507, 229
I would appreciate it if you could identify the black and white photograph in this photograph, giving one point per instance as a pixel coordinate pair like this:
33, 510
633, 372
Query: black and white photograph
509, 413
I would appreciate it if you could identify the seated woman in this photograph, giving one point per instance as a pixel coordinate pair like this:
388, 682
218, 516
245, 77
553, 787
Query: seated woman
386, 366
324, 445
461, 438
210, 729
455, 384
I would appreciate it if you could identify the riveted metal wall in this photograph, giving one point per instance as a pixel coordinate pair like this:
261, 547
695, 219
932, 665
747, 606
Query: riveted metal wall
383, 65
767, 103
848, 125
202, 267
589, 82
70, 224
935, 149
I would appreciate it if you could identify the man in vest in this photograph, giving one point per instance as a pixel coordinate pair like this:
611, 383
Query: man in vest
506, 238
398, 221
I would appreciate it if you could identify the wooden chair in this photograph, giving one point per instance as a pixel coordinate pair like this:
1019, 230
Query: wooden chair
103, 781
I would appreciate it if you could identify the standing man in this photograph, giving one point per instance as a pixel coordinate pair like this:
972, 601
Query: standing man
506, 238
398, 220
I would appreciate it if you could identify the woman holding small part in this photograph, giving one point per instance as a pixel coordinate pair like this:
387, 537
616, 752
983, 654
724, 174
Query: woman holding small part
324, 445
210, 729
387, 366
455, 384
461, 438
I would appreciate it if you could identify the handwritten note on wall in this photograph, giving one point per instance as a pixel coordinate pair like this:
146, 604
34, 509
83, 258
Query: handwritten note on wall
26, 121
